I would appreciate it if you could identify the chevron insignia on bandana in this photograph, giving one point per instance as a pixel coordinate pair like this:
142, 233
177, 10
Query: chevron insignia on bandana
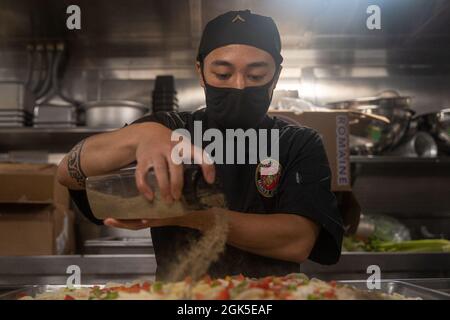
238, 18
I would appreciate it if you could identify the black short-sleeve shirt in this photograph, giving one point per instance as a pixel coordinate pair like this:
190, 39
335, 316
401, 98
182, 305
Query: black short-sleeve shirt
303, 188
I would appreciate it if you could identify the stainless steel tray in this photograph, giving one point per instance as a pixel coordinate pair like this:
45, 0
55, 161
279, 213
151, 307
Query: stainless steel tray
34, 290
387, 286
7, 289
438, 284
55, 113
401, 287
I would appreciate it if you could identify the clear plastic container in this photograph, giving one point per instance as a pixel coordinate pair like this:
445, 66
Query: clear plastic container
116, 196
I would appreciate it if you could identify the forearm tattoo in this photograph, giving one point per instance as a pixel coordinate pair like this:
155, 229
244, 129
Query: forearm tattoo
74, 164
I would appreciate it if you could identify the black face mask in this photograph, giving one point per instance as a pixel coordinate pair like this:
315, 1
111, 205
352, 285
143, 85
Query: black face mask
232, 108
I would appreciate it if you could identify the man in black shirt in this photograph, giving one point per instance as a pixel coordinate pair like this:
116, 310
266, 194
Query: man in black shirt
277, 218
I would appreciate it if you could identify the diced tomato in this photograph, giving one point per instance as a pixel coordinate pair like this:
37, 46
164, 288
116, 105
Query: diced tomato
330, 294
146, 286
135, 288
230, 285
67, 297
223, 295
21, 295
333, 283
260, 285
264, 283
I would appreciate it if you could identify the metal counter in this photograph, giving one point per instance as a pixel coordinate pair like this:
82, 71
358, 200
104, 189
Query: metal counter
103, 268
94, 269
353, 266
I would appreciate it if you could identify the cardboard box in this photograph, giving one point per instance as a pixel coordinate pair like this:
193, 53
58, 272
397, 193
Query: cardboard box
333, 126
34, 211
334, 129
36, 230
31, 183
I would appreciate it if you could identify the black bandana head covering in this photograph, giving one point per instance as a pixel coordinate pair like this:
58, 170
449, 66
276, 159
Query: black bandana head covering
241, 27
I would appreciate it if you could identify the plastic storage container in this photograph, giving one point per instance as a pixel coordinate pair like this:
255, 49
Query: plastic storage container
116, 196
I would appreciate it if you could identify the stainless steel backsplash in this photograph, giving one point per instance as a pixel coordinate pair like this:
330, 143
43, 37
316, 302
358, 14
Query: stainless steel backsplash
329, 52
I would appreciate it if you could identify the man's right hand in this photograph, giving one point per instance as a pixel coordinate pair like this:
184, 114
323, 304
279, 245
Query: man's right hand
154, 151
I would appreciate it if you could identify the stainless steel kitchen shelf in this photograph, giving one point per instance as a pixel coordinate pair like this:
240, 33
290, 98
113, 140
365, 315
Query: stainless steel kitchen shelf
62, 139
48, 139
119, 245
398, 160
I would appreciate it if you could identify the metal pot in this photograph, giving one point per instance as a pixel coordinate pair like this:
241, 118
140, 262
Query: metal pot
113, 113
438, 125
370, 136
387, 99
421, 144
